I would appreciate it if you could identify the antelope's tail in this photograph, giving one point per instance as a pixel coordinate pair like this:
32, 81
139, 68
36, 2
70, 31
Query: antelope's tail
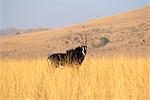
48, 62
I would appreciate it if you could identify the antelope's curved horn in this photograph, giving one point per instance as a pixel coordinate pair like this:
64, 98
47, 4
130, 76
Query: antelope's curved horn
79, 44
82, 38
85, 42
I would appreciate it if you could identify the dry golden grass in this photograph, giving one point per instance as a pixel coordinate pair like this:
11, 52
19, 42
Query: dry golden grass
107, 78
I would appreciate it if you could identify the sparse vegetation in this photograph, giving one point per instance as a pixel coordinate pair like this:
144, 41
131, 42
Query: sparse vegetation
66, 42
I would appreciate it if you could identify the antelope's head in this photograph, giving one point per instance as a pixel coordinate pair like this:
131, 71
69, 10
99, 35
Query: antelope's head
84, 44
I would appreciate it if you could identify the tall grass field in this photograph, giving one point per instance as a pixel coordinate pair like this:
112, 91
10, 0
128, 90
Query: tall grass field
106, 78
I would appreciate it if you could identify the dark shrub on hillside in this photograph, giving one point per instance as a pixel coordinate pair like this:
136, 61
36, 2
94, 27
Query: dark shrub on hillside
18, 33
104, 41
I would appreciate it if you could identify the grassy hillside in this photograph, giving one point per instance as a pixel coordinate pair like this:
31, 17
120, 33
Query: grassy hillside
128, 33
107, 78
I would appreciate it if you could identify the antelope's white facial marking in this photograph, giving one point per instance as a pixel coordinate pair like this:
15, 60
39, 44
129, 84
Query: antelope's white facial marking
83, 51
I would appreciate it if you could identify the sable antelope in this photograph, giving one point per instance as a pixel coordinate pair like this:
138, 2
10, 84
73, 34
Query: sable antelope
72, 57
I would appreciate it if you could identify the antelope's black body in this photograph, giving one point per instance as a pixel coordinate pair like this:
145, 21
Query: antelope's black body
73, 57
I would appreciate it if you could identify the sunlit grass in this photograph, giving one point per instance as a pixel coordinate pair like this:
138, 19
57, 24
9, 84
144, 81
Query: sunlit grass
106, 78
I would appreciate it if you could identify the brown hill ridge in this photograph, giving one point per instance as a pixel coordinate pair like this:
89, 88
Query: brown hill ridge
128, 33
